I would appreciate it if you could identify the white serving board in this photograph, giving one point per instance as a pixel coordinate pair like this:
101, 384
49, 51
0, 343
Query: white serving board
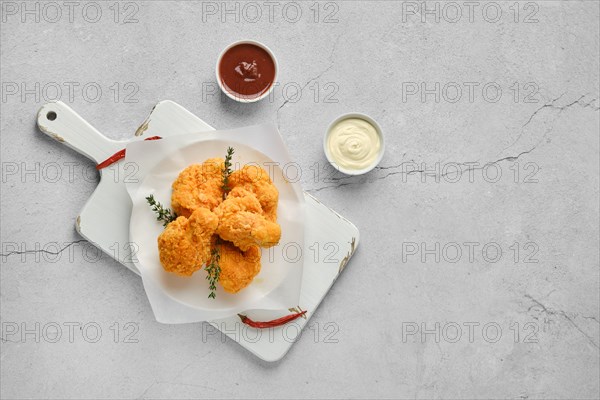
104, 220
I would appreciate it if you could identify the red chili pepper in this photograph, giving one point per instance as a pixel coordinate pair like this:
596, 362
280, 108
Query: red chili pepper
118, 155
112, 159
270, 324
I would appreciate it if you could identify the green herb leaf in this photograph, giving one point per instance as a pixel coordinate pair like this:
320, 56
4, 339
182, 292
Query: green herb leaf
162, 214
214, 272
227, 171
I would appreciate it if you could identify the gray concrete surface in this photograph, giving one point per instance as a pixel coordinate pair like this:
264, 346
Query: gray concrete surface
474, 284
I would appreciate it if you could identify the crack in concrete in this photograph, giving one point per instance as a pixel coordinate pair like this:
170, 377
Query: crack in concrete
515, 158
389, 167
562, 108
332, 186
141, 396
594, 318
319, 75
69, 244
469, 167
563, 314
552, 105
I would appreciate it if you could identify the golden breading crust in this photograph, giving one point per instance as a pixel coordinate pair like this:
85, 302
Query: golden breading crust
242, 222
257, 180
238, 268
184, 245
199, 185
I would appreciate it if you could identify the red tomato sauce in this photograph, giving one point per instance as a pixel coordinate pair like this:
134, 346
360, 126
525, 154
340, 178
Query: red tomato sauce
247, 70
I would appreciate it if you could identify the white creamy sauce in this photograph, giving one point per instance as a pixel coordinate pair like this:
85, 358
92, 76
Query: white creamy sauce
353, 143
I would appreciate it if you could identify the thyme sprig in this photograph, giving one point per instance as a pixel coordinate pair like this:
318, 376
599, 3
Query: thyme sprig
227, 171
163, 214
213, 270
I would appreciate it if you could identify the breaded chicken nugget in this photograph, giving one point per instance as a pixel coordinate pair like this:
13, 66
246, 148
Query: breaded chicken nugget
238, 268
184, 245
257, 180
199, 185
242, 222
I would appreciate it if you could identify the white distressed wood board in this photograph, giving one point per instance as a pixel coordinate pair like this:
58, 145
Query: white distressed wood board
104, 220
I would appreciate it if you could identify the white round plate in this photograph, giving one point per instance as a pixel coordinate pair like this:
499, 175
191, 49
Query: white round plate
279, 263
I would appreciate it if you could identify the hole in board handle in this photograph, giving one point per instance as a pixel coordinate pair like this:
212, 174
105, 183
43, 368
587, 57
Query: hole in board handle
51, 115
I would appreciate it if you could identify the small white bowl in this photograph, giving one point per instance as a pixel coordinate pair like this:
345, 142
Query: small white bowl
354, 171
236, 96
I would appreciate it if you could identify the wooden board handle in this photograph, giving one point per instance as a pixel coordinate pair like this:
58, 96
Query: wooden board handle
61, 123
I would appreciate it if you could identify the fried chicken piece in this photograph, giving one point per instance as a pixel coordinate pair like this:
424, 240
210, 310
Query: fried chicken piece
241, 221
257, 180
238, 268
199, 185
184, 245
